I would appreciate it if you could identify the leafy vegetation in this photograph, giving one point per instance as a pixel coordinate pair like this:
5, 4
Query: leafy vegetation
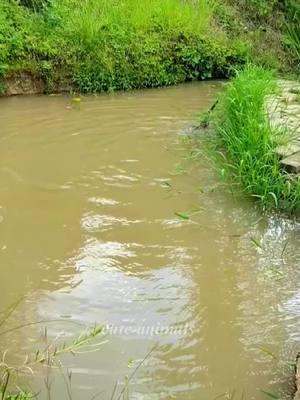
93, 46
48, 356
293, 36
247, 142
19, 396
108, 45
90, 339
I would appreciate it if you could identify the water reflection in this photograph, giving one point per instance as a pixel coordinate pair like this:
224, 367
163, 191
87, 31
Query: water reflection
90, 233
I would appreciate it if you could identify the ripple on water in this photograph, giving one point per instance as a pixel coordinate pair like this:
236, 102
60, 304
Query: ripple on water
111, 250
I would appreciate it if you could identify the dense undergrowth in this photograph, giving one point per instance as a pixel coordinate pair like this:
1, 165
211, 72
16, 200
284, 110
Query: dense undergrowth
93, 45
247, 142
108, 45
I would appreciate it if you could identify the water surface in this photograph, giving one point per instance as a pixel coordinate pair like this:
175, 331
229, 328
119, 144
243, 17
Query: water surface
89, 234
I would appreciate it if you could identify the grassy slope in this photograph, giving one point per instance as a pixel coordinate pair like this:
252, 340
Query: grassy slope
108, 45
268, 24
245, 135
249, 142
114, 44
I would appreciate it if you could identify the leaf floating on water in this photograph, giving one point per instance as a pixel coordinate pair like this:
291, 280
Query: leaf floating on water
277, 272
284, 248
271, 395
167, 184
130, 363
269, 352
274, 273
256, 243
182, 216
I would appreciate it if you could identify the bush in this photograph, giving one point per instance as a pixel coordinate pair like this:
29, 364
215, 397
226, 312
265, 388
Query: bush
95, 45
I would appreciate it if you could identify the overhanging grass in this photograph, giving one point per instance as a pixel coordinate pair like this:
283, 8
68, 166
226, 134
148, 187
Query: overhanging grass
99, 45
90, 16
248, 142
19, 396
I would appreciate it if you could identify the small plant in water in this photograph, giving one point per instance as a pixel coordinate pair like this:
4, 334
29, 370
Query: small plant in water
48, 356
89, 340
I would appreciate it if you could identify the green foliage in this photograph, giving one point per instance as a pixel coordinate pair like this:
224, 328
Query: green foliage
95, 45
263, 9
249, 142
20, 396
129, 44
262, 25
257, 9
293, 38
108, 45
11, 36
34, 5
2, 88
292, 11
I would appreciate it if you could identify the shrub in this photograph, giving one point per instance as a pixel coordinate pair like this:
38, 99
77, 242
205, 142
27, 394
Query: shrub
95, 45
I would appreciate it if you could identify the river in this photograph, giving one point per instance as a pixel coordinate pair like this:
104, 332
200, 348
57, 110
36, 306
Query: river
93, 199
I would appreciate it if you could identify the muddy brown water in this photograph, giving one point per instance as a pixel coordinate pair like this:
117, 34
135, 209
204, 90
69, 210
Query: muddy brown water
89, 234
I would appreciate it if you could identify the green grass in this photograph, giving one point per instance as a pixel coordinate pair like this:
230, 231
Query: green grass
293, 38
48, 356
115, 44
94, 46
248, 142
19, 396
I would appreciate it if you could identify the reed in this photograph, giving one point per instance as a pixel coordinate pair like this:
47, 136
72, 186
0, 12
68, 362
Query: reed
88, 340
293, 38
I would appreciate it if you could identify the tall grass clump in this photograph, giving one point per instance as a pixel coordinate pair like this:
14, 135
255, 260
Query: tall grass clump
248, 141
293, 38
93, 46
100, 45
293, 29
133, 44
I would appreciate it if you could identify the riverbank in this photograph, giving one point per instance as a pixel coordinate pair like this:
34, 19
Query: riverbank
57, 46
